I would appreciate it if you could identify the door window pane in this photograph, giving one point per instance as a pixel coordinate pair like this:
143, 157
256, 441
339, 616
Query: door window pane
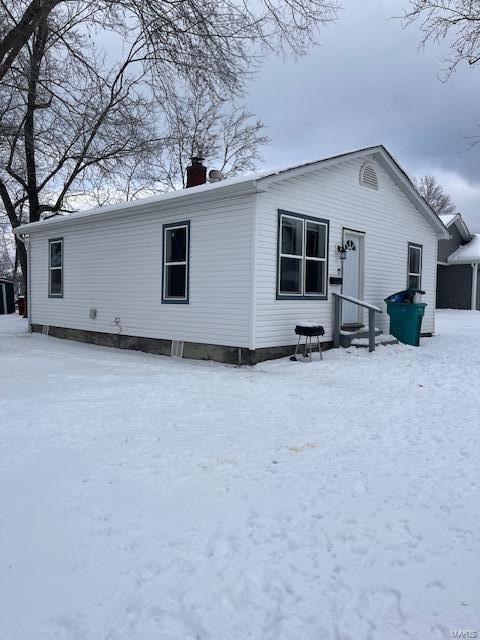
316, 236
175, 281
292, 236
55, 282
290, 275
176, 245
314, 276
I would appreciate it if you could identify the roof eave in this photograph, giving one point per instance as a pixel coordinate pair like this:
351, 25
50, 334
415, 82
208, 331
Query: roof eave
413, 195
389, 163
461, 226
244, 188
470, 261
266, 181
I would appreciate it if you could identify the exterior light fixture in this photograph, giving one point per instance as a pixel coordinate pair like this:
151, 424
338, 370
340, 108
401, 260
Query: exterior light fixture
342, 251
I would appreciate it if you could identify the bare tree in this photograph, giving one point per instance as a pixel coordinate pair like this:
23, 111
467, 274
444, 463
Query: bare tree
207, 37
17, 26
7, 251
74, 119
202, 123
67, 119
457, 21
434, 194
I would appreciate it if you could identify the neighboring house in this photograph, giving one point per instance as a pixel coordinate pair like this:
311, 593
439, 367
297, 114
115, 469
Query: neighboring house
225, 271
458, 285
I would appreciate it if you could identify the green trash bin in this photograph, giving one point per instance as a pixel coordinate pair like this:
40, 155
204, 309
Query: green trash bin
406, 316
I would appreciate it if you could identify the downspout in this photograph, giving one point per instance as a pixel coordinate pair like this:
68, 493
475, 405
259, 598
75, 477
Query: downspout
474, 285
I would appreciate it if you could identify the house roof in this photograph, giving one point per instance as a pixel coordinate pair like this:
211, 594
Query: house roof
447, 218
456, 218
467, 253
252, 183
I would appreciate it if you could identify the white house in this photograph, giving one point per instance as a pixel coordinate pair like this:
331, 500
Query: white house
225, 270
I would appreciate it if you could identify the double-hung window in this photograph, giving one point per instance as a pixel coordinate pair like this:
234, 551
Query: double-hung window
55, 268
302, 256
414, 279
176, 249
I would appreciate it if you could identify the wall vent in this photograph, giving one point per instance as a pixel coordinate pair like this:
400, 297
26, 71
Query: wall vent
177, 349
45, 329
368, 176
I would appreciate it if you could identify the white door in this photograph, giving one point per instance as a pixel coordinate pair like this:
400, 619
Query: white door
352, 274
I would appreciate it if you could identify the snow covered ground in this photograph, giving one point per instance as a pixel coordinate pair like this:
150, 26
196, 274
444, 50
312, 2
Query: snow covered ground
146, 498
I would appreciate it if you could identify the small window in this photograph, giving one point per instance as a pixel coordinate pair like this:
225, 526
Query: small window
55, 266
368, 176
176, 249
414, 280
302, 257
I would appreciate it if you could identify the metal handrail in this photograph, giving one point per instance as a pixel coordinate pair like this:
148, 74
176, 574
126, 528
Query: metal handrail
337, 318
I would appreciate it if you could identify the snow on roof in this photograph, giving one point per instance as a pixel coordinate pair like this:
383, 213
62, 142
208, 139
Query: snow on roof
163, 197
240, 184
187, 193
467, 253
447, 218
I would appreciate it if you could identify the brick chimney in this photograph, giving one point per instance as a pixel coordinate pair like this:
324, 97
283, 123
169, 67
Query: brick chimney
196, 172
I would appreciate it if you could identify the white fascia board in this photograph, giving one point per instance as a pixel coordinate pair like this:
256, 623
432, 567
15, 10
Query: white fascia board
266, 181
461, 226
387, 161
395, 171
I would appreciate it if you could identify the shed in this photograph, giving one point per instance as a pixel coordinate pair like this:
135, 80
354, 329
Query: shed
226, 270
7, 297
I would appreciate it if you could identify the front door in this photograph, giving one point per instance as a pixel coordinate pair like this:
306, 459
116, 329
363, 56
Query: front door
352, 276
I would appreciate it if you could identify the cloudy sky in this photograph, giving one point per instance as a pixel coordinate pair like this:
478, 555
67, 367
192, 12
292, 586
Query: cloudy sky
369, 84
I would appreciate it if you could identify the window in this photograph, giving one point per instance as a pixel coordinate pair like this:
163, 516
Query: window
368, 176
302, 256
176, 249
414, 279
55, 268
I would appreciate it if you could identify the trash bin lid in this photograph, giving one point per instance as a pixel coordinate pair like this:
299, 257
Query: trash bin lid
400, 296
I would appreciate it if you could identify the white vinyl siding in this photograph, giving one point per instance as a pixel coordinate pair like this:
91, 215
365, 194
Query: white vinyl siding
334, 193
115, 266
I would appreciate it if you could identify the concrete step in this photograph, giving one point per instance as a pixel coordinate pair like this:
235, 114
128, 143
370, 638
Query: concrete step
380, 340
347, 337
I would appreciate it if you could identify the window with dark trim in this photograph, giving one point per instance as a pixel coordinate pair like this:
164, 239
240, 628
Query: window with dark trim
55, 268
302, 256
414, 273
176, 250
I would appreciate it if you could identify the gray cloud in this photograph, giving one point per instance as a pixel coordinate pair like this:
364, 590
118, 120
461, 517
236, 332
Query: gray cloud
368, 84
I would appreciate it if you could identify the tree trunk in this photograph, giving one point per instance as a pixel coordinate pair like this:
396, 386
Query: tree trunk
38, 50
20, 33
22, 259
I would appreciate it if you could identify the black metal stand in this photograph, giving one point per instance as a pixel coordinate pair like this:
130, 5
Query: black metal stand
308, 333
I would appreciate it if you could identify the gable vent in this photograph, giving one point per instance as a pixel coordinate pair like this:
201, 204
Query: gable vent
368, 176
